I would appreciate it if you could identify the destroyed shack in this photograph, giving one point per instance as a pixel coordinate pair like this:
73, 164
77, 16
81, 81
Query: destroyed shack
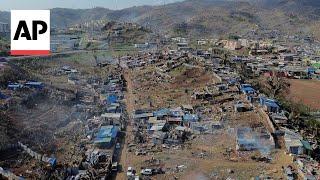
188, 118
112, 118
293, 142
249, 139
269, 105
247, 89
279, 118
242, 107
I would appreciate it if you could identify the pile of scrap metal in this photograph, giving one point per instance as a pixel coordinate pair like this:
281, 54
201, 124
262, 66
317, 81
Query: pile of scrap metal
95, 164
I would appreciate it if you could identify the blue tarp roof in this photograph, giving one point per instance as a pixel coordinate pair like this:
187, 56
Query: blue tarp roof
232, 81
107, 131
112, 98
34, 83
270, 102
106, 134
176, 113
14, 86
190, 117
3, 59
52, 161
236, 59
247, 89
2, 96
245, 85
311, 70
161, 112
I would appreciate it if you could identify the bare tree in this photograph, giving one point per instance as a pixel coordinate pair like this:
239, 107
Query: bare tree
274, 85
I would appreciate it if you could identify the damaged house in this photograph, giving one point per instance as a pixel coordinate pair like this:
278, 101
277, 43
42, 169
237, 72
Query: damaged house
293, 142
249, 139
269, 105
106, 136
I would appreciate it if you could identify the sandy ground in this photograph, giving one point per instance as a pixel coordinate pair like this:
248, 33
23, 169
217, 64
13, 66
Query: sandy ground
306, 92
157, 92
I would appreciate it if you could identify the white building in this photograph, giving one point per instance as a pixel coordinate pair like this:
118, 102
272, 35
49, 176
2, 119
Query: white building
4, 27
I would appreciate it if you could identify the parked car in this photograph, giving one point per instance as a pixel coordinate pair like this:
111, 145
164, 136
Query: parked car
118, 146
114, 167
130, 172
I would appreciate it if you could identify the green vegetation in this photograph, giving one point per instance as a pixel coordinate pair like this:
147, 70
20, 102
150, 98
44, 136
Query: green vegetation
117, 50
4, 47
12, 75
234, 37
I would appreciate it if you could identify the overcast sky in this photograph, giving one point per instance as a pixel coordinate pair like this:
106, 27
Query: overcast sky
76, 4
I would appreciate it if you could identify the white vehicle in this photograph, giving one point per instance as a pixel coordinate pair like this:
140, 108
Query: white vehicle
118, 146
130, 172
114, 167
146, 172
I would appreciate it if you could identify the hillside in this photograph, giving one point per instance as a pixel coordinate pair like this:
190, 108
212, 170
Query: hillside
207, 17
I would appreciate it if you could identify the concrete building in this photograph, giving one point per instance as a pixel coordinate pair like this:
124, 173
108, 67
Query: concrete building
4, 27
232, 45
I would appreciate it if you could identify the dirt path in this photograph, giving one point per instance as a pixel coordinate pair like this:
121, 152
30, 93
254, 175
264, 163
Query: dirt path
129, 100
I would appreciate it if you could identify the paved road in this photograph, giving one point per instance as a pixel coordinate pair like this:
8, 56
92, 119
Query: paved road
52, 55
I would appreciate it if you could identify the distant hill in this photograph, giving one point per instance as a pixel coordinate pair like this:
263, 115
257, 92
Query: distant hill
207, 17
4, 16
65, 17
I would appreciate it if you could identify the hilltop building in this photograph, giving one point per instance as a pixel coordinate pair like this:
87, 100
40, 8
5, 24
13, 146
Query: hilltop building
4, 29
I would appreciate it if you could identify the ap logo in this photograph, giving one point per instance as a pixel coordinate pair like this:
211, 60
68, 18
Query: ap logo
30, 32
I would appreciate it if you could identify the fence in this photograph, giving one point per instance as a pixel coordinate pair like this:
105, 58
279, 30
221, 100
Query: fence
36, 155
9, 175
33, 154
8, 147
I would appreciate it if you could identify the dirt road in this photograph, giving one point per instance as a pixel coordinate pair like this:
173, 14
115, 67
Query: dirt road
129, 100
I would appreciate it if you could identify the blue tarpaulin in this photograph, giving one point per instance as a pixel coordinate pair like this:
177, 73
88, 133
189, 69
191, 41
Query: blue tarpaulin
14, 86
107, 131
176, 113
248, 90
112, 98
161, 112
311, 70
52, 162
34, 84
190, 117
2, 96
271, 104
232, 81
106, 135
